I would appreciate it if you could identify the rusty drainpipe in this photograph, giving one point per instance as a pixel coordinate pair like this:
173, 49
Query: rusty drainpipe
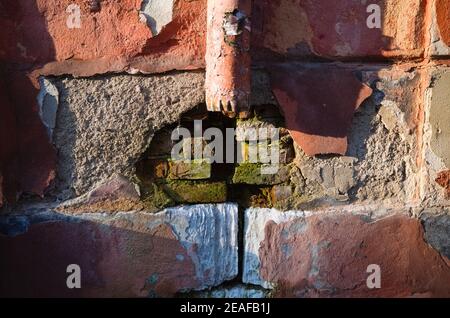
228, 62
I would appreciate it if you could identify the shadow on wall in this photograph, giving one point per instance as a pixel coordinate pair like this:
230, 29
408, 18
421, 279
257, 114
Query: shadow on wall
115, 261
27, 159
8, 142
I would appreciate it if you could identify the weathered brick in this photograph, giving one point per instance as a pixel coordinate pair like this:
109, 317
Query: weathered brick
108, 138
130, 255
113, 195
280, 193
441, 29
380, 162
252, 173
197, 169
111, 35
318, 122
45, 35
160, 168
186, 191
322, 28
367, 109
328, 255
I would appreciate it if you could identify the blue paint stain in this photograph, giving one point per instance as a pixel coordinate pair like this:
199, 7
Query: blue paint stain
152, 280
13, 226
287, 250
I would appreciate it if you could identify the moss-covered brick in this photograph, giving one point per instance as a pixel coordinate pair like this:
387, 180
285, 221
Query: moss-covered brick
183, 191
254, 151
197, 169
250, 173
154, 198
160, 168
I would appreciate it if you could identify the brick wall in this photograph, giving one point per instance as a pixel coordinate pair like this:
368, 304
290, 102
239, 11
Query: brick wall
91, 92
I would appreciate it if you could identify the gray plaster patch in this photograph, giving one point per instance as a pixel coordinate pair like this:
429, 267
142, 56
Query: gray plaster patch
104, 124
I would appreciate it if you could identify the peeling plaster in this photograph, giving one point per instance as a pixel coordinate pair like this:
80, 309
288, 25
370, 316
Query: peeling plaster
440, 117
228, 61
202, 229
48, 100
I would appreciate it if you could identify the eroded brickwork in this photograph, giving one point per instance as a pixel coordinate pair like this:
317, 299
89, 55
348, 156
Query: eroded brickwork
92, 91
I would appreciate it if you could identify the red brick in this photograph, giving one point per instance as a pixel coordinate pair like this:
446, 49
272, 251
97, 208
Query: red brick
129, 255
35, 155
113, 35
327, 255
44, 35
114, 262
318, 105
8, 146
443, 19
111, 39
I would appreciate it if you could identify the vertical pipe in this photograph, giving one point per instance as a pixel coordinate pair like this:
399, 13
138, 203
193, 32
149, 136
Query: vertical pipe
228, 62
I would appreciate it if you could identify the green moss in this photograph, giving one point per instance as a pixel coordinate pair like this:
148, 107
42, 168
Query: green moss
250, 196
166, 193
161, 199
250, 173
154, 197
196, 169
182, 191
258, 121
